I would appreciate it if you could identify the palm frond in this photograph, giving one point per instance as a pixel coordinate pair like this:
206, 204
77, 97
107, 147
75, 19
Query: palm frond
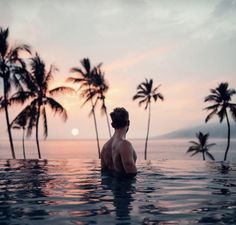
62, 90
45, 124
231, 92
212, 98
142, 101
13, 54
75, 80
20, 97
209, 116
212, 107
3, 41
158, 96
210, 145
21, 119
88, 97
138, 96
156, 88
192, 149
49, 75
17, 127
221, 113
38, 70
103, 107
148, 102
232, 108
57, 108
195, 153
32, 118
149, 85
142, 88
194, 142
210, 155
85, 62
15, 81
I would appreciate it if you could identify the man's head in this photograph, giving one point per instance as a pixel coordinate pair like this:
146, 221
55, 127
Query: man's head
120, 118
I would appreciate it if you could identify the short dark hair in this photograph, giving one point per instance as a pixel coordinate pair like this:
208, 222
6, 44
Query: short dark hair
120, 118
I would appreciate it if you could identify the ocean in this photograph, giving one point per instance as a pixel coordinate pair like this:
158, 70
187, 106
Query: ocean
67, 187
174, 149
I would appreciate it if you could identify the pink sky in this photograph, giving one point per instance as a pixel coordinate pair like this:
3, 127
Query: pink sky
188, 47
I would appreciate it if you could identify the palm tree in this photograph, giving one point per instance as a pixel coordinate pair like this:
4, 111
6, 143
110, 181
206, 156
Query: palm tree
101, 86
11, 68
221, 97
86, 80
201, 146
37, 90
146, 92
20, 122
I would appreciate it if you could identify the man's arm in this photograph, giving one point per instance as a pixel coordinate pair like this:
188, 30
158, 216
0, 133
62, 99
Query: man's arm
103, 164
127, 158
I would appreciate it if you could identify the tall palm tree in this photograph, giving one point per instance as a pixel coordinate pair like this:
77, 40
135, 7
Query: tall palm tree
201, 146
221, 98
11, 68
101, 86
37, 82
86, 80
146, 92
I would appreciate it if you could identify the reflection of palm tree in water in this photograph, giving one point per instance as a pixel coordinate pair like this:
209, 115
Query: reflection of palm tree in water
23, 180
122, 189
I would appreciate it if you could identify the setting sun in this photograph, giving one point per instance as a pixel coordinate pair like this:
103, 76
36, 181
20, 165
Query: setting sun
75, 131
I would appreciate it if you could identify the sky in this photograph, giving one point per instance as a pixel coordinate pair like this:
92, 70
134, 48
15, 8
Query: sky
186, 46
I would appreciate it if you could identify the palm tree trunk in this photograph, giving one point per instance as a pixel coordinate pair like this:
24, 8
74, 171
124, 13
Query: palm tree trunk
203, 156
146, 142
96, 129
7, 120
37, 131
228, 143
108, 123
23, 142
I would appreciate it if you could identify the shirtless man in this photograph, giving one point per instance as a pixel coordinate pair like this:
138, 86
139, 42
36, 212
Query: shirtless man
118, 153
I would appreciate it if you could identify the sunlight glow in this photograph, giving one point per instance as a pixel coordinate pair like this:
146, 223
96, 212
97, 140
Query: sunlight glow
75, 131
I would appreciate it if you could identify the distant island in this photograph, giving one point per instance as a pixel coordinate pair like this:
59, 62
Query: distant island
215, 130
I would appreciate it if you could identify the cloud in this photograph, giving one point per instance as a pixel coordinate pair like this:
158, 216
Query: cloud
138, 58
225, 8
6, 13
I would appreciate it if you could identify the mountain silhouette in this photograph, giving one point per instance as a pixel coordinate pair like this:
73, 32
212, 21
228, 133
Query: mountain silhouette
215, 130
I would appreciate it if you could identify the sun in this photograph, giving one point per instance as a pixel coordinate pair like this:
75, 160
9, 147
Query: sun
75, 131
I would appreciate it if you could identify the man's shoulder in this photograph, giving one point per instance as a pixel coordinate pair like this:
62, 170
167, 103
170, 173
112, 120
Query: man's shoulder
126, 145
106, 145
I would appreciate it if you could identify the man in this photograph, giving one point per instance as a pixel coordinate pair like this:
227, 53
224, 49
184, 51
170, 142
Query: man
118, 154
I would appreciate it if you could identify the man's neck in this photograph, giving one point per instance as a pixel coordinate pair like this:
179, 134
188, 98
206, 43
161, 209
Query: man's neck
120, 133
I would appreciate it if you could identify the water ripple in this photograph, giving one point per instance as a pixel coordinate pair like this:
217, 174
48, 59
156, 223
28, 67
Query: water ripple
75, 192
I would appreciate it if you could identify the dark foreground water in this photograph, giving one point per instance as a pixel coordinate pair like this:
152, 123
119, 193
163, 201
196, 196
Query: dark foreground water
75, 192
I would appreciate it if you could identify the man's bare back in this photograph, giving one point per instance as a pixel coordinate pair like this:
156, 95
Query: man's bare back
118, 155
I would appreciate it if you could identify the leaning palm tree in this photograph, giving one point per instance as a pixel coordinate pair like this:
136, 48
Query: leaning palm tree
20, 122
201, 146
146, 92
11, 67
101, 88
221, 98
86, 80
37, 91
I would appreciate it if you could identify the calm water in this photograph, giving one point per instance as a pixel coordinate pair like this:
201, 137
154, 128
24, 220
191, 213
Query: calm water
68, 188
87, 149
74, 192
